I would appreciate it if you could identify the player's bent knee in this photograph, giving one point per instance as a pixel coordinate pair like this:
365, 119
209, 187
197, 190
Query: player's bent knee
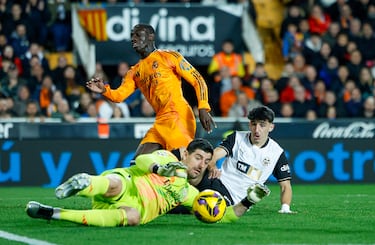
134, 217
115, 185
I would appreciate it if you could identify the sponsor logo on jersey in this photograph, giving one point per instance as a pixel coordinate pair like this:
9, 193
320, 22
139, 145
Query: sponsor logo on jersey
285, 168
243, 167
162, 153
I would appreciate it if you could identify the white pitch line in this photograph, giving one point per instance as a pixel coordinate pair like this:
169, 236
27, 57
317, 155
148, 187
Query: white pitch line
24, 239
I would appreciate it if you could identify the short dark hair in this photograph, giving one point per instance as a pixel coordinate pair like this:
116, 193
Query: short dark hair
148, 28
201, 144
261, 113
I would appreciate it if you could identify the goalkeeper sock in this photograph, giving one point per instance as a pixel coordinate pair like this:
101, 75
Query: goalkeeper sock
229, 216
95, 217
98, 186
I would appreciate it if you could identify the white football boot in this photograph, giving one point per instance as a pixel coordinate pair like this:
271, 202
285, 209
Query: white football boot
73, 185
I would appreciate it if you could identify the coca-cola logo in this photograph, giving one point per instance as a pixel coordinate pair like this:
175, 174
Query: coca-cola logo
354, 130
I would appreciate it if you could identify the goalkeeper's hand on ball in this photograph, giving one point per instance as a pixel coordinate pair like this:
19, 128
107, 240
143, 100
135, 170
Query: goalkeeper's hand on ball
171, 169
285, 209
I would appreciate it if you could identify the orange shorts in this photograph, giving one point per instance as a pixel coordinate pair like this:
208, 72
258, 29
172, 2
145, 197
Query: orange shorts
172, 130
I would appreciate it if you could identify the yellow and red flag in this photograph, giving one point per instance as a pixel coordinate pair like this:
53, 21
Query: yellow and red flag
93, 20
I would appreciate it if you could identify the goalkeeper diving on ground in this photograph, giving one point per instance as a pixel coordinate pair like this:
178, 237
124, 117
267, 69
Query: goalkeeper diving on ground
156, 184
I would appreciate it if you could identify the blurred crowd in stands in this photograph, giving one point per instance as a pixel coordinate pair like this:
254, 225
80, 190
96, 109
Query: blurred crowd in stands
327, 51
328, 65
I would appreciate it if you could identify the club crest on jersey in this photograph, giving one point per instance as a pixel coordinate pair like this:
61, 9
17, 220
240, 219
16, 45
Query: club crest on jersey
266, 161
155, 65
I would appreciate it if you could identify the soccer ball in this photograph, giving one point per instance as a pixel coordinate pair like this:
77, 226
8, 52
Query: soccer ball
209, 206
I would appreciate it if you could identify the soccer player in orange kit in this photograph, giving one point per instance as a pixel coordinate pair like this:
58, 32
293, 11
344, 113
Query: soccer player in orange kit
158, 75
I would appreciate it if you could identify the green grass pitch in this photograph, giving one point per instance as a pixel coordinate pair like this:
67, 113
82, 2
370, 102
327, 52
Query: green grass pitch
327, 214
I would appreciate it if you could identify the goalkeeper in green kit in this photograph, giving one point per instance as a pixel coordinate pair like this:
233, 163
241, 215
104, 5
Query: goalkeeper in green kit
156, 184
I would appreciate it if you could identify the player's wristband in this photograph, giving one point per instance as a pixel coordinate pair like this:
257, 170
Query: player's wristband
155, 168
285, 207
246, 203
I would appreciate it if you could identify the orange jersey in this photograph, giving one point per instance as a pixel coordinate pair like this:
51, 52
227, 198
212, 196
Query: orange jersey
158, 76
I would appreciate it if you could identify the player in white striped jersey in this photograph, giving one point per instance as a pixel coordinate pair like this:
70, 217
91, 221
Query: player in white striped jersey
252, 157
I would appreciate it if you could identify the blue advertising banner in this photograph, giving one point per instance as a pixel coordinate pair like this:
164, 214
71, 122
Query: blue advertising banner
49, 162
44, 154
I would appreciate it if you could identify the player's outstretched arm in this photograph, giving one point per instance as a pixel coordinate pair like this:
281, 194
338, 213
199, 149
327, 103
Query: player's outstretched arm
161, 162
286, 197
255, 194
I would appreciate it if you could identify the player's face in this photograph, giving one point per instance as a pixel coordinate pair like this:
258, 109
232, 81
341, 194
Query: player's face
139, 38
259, 131
197, 162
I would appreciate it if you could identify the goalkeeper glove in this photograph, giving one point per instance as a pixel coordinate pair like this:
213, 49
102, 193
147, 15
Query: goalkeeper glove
285, 209
257, 192
171, 169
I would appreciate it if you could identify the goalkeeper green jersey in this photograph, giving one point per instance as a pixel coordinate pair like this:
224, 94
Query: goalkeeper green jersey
151, 194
